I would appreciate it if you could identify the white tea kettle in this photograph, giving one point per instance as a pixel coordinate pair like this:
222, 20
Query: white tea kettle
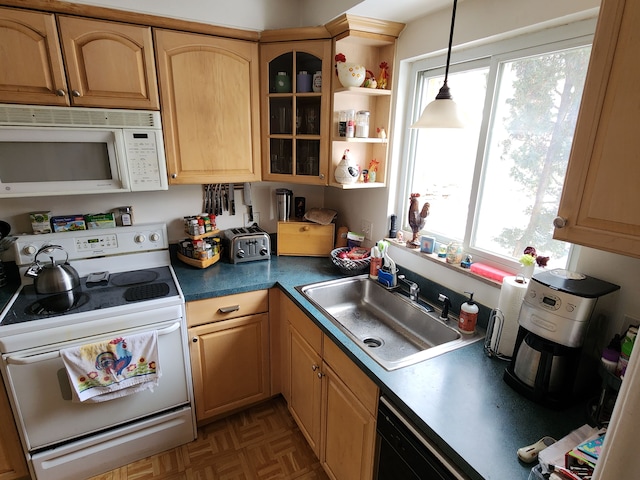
51, 277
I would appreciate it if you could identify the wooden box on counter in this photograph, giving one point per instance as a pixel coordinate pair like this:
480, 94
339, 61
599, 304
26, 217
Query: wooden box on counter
305, 239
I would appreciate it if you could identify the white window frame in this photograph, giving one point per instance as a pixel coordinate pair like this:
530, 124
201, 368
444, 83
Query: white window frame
575, 34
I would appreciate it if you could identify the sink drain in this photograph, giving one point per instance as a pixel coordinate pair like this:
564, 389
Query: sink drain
373, 342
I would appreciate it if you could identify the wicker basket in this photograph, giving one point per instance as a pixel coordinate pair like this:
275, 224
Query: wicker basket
348, 265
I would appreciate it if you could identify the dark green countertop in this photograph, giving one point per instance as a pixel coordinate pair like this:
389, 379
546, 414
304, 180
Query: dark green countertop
458, 399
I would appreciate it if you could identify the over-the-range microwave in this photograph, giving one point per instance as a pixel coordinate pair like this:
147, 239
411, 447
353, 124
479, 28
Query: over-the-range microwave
69, 151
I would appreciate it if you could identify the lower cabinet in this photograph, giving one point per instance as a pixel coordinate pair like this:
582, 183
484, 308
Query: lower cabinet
12, 462
331, 399
229, 347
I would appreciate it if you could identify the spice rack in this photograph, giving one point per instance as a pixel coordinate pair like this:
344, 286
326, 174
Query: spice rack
196, 262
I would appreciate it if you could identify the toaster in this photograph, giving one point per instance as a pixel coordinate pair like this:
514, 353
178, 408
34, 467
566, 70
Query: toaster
246, 244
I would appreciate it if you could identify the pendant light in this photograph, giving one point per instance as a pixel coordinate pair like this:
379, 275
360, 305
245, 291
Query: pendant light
443, 111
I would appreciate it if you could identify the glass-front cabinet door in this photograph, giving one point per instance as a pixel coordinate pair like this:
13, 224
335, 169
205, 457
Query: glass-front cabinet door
295, 111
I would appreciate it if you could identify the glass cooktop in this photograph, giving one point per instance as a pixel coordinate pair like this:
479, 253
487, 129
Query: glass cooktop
96, 291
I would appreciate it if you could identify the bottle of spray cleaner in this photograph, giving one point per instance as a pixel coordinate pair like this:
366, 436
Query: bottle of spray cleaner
468, 315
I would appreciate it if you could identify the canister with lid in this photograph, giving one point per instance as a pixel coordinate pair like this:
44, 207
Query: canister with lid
362, 124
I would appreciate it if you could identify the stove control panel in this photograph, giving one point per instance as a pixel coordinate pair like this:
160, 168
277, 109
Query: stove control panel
85, 244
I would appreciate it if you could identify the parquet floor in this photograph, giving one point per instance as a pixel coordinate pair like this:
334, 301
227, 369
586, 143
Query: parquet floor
260, 443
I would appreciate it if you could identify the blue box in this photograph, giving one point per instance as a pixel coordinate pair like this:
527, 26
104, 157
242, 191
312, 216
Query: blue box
427, 244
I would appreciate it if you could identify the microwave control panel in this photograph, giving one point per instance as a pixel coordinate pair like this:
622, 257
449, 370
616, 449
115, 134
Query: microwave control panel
145, 155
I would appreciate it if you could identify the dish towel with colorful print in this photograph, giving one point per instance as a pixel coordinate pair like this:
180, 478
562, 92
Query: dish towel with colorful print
114, 368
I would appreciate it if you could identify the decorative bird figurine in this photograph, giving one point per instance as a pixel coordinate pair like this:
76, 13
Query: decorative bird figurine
114, 363
417, 219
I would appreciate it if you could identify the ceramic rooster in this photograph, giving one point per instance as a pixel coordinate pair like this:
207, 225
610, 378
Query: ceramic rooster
349, 74
417, 219
114, 363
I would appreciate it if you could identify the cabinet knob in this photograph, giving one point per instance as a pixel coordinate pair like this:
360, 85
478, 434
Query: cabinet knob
306, 228
194, 339
75, 93
322, 176
174, 175
320, 375
60, 92
314, 367
559, 222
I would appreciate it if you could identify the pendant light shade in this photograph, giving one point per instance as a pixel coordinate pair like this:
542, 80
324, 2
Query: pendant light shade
443, 112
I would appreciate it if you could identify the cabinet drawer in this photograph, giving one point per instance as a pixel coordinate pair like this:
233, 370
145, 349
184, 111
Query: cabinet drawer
305, 239
210, 310
358, 382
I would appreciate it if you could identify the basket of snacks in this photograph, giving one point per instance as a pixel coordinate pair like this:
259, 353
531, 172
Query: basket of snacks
351, 260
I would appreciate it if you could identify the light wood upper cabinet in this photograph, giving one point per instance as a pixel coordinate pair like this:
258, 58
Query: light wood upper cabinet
601, 196
12, 462
295, 115
108, 64
31, 69
209, 92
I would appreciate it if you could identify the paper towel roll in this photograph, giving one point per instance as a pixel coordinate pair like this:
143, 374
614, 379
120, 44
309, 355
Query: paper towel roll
509, 303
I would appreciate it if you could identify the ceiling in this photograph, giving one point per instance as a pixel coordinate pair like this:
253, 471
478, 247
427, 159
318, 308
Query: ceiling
402, 11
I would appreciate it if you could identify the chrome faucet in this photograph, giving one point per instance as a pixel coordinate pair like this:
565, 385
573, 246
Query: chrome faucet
414, 289
445, 309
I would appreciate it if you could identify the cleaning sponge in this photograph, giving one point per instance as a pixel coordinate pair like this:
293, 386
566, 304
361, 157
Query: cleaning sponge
488, 271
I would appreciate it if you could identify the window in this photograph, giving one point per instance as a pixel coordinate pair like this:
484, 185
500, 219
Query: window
496, 185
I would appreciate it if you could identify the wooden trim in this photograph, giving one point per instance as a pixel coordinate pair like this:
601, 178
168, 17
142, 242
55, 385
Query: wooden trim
293, 34
103, 13
346, 22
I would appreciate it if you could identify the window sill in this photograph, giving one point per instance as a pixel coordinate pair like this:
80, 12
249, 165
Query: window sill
432, 257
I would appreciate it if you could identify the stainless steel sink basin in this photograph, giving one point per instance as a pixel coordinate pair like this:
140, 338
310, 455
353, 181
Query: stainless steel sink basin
391, 329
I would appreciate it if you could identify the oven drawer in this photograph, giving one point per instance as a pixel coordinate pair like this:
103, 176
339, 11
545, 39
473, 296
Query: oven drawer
305, 239
200, 312
38, 383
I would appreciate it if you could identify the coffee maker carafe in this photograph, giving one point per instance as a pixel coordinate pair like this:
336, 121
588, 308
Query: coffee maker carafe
553, 327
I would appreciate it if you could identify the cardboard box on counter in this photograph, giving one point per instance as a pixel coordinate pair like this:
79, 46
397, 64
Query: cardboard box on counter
100, 220
68, 223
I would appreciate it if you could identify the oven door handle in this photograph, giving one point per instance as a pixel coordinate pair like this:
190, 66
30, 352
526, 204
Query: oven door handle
43, 357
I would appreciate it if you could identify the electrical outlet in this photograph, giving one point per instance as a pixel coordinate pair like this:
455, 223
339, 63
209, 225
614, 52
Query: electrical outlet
256, 219
366, 228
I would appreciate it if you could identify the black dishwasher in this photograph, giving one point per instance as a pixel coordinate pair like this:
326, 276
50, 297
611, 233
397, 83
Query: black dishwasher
402, 452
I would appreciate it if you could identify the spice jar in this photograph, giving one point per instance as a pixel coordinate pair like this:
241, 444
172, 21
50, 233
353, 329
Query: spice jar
351, 123
362, 124
124, 216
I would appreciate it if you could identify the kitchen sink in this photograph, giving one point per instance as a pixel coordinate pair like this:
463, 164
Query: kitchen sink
389, 327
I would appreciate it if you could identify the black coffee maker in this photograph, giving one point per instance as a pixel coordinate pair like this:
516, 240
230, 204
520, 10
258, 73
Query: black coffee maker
553, 325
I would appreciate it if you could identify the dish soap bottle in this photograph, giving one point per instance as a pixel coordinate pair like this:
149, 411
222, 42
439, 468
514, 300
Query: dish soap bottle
468, 315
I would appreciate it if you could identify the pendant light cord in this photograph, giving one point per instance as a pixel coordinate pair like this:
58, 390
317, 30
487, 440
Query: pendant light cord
444, 93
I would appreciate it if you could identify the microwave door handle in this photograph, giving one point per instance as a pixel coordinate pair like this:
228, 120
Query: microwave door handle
17, 360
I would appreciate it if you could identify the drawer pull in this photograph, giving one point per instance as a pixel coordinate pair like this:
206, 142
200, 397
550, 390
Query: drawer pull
232, 308
306, 228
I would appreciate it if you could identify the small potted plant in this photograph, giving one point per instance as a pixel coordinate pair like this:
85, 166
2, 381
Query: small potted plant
530, 259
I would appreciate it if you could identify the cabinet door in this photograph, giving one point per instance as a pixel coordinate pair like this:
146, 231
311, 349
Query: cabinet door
230, 364
305, 387
349, 432
600, 197
295, 118
12, 461
210, 107
109, 64
31, 70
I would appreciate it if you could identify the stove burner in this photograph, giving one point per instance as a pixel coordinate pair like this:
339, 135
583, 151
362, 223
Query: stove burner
133, 278
146, 292
58, 303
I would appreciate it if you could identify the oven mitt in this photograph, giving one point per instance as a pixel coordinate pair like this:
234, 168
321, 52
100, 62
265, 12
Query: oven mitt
323, 216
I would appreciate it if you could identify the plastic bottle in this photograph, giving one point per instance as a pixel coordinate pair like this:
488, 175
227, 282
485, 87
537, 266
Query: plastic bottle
468, 315
351, 123
625, 350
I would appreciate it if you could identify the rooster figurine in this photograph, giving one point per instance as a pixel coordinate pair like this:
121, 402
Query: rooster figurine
417, 219
349, 74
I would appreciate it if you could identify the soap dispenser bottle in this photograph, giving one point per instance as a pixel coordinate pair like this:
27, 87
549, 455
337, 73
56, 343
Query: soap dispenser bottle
468, 315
